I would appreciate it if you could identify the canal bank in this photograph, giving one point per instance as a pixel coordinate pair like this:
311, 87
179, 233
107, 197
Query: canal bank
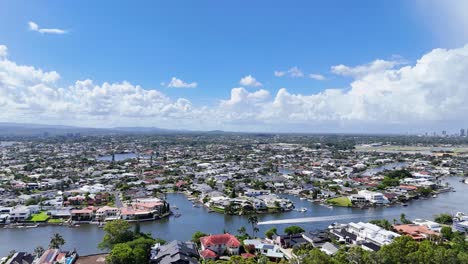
85, 238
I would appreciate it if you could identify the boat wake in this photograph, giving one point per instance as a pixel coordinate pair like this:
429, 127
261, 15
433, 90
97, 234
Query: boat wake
310, 219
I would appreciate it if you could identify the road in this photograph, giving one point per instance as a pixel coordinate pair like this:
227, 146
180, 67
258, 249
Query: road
117, 201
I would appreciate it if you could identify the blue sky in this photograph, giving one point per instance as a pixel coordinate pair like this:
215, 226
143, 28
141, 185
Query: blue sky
216, 43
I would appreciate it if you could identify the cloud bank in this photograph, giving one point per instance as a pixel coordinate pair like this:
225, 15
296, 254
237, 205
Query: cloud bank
382, 94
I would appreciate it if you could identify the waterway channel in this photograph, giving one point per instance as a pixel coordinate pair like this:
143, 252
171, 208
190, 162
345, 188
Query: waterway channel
85, 238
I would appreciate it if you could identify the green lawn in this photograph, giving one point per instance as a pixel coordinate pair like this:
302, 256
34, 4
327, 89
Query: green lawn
55, 221
340, 201
40, 217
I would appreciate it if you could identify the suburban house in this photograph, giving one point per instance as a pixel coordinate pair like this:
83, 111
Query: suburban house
82, 215
19, 213
271, 251
218, 245
416, 232
107, 213
175, 252
373, 197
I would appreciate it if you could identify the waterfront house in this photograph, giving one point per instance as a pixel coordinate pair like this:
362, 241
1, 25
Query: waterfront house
82, 215
373, 197
19, 213
371, 233
431, 225
175, 252
107, 213
218, 245
317, 239
460, 222
134, 214
290, 241
271, 251
416, 232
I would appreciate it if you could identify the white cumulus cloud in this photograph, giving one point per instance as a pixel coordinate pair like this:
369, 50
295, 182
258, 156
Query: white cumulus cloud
35, 27
382, 94
3, 51
318, 77
178, 83
250, 81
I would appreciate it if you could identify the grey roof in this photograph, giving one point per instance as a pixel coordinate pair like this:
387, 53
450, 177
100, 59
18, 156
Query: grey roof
330, 248
176, 252
21, 258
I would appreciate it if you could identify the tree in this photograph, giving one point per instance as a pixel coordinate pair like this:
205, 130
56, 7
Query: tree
270, 232
383, 223
233, 194
120, 254
445, 219
403, 219
242, 230
446, 232
315, 256
137, 229
117, 231
253, 221
56, 241
196, 237
291, 230
38, 251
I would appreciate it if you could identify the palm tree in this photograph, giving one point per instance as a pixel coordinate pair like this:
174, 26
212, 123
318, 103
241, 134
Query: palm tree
242, 230
256, 230
56, 241
403, 219
253, 220
38, 251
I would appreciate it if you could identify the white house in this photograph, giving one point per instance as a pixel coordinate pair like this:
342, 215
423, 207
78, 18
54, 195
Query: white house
373, 197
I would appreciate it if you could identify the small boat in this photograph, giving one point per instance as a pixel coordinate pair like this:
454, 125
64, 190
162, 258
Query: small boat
177, 215
434, 196
196, 205
403, 204
302, 198
175, 207
302, 210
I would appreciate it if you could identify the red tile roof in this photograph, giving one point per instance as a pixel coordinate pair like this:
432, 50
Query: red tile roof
208, 253
247, 255
223, 239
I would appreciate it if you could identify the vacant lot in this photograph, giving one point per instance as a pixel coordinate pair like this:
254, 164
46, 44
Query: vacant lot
340, 201
40, 217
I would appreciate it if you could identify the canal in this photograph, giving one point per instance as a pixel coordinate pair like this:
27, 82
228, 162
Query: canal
86, 237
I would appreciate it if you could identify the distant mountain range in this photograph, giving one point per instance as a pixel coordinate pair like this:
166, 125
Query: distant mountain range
20, 129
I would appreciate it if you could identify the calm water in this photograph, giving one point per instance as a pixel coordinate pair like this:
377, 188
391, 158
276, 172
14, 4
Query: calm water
85, 238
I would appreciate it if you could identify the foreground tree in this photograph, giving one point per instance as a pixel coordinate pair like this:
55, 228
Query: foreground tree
196, 237
56, 241
117, 231
271, 232
292, 230
120, 254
